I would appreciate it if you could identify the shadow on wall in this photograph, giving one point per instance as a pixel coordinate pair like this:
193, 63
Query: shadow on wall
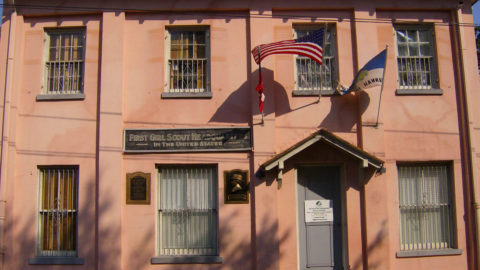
140, 258
372, 248
237, 107
343, 112
238, 254
23, 229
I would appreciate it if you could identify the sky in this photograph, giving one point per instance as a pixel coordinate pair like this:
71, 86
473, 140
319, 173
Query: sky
476, 13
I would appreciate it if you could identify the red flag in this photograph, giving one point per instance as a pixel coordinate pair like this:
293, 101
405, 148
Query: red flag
310, 46
261, 96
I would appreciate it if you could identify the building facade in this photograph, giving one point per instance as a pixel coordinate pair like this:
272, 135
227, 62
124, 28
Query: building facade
132, 136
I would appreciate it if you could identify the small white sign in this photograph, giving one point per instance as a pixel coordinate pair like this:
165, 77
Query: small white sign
318, 210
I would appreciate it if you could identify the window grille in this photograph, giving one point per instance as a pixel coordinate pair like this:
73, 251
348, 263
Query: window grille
58, 211
188, 62
188, 211
426, 220
308, 72
415, 60
65, 61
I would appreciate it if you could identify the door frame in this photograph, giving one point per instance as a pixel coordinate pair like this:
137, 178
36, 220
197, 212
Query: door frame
343, 204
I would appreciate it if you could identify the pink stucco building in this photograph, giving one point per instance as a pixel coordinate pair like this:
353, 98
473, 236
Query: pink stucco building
132, 137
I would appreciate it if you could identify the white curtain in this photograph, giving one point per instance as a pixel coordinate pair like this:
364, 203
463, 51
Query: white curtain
188, 211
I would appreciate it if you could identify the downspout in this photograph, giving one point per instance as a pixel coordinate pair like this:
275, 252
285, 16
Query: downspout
8, 85
5, 123
361, 175
472, 207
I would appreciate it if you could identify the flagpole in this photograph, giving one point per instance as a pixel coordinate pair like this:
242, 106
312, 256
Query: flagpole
321, 66
260, 77
383, 81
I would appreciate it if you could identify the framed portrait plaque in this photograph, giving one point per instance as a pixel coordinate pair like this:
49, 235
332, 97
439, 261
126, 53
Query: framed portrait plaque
236, 187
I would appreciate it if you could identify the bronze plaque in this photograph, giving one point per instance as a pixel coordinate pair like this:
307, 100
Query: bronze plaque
138, 188
236, 186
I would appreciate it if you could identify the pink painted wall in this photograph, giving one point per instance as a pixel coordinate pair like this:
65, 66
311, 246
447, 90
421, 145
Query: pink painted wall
46, 133
124, 80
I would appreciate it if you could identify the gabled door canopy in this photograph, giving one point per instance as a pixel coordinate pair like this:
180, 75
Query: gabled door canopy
366, 158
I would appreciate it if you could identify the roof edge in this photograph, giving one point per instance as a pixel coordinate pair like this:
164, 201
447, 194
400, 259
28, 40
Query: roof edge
331, 139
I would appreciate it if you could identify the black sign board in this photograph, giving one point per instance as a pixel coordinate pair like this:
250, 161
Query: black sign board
138, 188
188, 140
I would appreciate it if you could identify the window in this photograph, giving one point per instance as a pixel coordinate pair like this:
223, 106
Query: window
188, 63
65, 49
57, 211
416, 59
310, 77
187, 211
426, 210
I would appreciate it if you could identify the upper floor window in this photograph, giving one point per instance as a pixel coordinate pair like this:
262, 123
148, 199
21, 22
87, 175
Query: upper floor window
57, 211
64, 64
310, 77
188, 62
426, 208
416, 61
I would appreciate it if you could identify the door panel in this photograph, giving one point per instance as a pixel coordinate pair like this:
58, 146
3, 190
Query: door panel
320, 237
318, 246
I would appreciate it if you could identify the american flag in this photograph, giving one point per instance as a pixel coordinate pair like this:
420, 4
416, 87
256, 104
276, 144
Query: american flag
310, 46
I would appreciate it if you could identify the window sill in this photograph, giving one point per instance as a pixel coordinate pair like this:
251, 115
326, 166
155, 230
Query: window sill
186, 259
428, 253
313, 93
425, 92
43, 97
56, 260
187, 95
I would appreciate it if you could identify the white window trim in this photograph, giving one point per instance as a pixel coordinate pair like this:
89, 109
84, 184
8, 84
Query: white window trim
453, 250
333, 46
434, 90
168, 93
77, 95
184, 259
60, 257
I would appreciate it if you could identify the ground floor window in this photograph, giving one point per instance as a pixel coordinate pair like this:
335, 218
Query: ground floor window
57, 211
426, 211
187, 210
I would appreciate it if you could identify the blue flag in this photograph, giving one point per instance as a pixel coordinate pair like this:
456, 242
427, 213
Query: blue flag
370, 75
